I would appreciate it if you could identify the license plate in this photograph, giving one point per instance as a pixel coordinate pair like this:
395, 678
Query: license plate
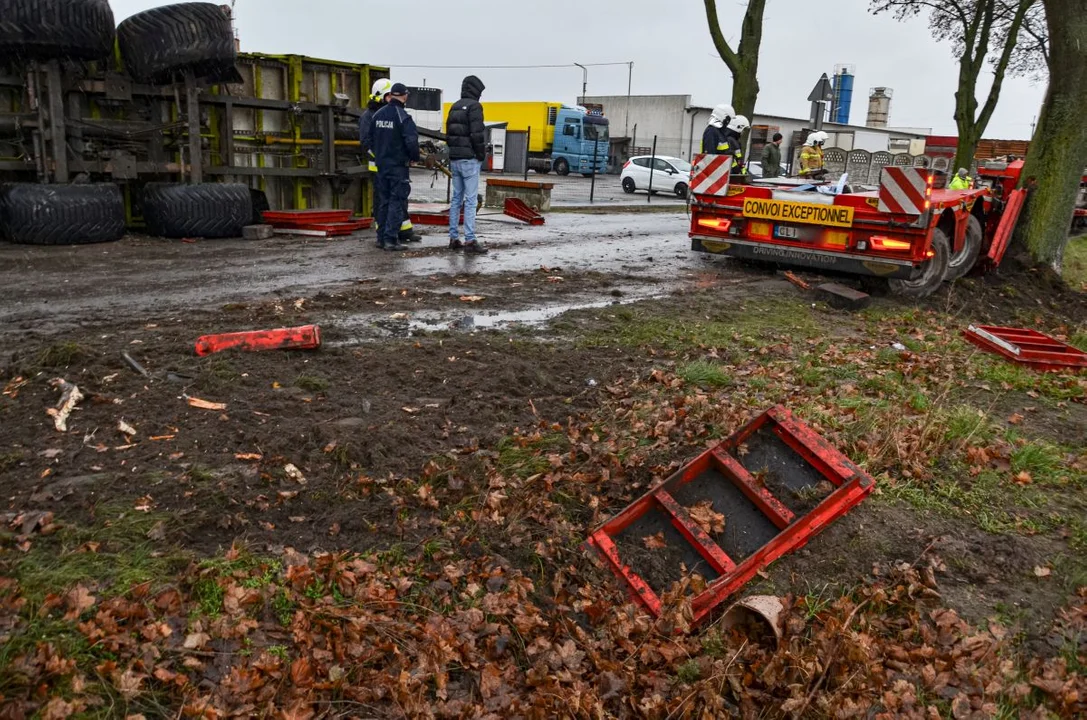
789, 233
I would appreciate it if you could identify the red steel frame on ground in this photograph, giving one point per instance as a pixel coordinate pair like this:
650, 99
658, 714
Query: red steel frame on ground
851, 485
1027, 347
306, 337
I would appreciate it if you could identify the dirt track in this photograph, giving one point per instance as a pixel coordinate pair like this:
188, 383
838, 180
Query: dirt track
47, 290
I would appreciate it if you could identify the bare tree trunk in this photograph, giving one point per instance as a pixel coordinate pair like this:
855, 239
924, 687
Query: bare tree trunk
1058, 152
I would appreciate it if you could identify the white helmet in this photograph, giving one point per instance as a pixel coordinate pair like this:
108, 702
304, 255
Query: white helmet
721, 115
381, 88
817, 138
739, 124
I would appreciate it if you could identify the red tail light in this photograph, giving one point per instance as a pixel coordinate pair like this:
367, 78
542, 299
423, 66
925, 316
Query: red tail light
626, 164
719, 224
880, 242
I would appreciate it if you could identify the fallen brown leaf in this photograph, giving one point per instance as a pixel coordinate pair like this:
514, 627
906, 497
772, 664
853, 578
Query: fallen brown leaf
205, 404
655, 542
703, 514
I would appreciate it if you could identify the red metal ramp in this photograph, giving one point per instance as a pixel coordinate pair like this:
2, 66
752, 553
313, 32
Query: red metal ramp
1027, 347
776, 483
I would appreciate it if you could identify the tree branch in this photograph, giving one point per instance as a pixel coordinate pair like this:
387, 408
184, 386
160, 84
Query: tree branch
732, 60
1002, 64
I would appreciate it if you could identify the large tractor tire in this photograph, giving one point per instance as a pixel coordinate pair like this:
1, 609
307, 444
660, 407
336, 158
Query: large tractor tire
210, 210
933, 272
61, 214
963, 261
56, 29
160, 44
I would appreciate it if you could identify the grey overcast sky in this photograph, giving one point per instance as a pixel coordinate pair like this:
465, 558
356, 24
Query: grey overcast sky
667, 40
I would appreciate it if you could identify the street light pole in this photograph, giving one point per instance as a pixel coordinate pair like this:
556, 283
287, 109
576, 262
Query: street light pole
630, 77
584, 81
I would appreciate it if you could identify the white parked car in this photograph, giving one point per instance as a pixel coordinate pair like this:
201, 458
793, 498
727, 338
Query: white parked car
670, 174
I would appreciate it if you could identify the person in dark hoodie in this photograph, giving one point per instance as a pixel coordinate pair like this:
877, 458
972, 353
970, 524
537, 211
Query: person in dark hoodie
467, 140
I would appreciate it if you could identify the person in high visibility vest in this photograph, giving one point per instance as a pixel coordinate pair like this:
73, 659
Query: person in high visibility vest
714, 141
379, 96
378, 99
961, 181
733, 143
811, 156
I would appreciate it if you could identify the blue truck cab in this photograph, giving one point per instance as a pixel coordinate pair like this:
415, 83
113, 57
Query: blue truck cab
579, 136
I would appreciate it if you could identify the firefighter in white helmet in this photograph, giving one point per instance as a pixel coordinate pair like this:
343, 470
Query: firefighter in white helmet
811, 156
378, 97
714, 136
734, 144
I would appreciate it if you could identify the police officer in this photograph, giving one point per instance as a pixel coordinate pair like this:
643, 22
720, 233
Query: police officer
378, 99
395, 143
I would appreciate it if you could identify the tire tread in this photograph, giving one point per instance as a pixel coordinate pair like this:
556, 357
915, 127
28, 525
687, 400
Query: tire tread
62, 214
52, 29
209, 210
158, 44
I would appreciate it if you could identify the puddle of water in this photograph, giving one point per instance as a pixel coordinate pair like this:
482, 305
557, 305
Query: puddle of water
373, 327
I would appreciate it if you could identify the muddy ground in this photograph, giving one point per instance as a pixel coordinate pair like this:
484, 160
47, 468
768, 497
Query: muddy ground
432, 362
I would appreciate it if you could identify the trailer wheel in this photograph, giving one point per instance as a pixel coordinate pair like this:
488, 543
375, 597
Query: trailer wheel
157, 45
52, 29
933, 273
61, 214
562, 167
211, 210
963, 261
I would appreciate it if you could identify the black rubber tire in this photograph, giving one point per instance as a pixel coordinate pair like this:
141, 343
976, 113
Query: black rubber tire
629, 186
50, 29
158, 45
210, 210
61, 214
934, 271
681, 191
963, 261
561, 167
346, 131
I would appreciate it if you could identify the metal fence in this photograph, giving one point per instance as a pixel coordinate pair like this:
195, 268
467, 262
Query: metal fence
863, 168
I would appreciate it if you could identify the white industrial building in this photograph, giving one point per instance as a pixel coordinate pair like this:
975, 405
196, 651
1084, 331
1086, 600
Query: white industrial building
677, 126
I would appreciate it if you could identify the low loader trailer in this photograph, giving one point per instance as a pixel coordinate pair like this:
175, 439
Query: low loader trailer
915, 236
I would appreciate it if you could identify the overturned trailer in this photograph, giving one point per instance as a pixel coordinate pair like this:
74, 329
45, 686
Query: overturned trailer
161, 124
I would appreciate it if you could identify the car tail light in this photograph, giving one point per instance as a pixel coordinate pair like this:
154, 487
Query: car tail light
715, 223
626, 164
880, 242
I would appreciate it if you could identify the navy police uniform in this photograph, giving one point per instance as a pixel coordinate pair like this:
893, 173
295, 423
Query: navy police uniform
395, 143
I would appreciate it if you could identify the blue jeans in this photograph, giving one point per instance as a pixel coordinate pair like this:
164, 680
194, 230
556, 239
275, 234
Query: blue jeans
465, 190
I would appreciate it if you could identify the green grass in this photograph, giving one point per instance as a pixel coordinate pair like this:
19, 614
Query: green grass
1074, 269
742, 326
1044, 462
967, 423
125, 557
310, 383
527, 458
62, 355
704, 374
689, 672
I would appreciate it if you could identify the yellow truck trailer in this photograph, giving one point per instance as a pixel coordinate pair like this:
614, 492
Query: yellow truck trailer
561, 138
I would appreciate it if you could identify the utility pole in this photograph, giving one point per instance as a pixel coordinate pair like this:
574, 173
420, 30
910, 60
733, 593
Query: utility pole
630, 77
584, 80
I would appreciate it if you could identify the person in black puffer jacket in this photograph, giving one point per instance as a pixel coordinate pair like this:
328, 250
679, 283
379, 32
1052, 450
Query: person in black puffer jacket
467, 138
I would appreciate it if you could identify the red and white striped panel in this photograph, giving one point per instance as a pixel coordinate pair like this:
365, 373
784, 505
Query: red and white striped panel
904, 190
710, 174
